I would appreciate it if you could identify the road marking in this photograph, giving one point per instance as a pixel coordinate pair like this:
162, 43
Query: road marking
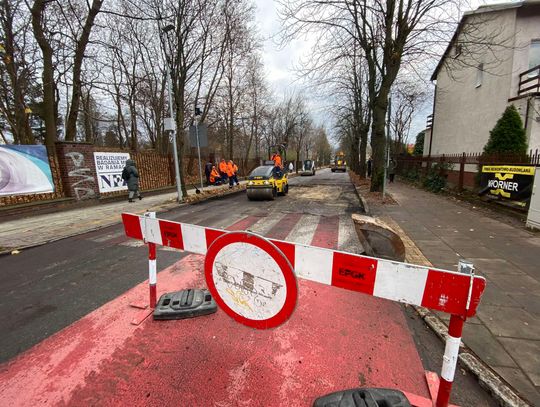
267, 223
244, 223
347, 237
303, 231
327, 232
282, 229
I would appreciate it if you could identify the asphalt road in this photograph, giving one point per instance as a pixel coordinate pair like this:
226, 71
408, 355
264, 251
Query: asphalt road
46, 288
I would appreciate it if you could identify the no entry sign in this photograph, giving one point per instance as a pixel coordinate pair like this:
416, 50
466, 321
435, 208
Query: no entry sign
251, 280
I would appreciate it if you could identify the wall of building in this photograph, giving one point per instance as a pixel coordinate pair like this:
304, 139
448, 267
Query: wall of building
465, 113
527, 29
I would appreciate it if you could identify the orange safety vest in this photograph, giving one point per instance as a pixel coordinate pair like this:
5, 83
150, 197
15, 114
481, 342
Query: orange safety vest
223, 166
277, 160
231, 169
213, 175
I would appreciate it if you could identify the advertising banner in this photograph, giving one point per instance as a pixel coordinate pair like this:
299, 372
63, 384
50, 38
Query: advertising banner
109, 168
24, 169
508, 181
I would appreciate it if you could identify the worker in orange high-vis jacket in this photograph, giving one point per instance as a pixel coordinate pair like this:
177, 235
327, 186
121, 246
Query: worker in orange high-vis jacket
223, 170
232, 170
276, 158
215, 179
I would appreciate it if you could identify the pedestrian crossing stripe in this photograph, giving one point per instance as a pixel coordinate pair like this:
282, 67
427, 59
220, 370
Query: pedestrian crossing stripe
436, 289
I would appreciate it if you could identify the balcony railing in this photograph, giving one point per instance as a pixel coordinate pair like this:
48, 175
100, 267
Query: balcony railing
529, 81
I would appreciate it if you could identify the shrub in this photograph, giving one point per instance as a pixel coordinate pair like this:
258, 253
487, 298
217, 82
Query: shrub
435, 180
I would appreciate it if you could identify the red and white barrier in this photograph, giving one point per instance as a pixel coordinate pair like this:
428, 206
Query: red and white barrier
456, 293
432, 288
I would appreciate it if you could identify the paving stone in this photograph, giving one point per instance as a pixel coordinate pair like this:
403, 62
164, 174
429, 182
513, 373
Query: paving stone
481, 341
519, 381
515, 283
495, 266
509, 322
529, 302
527, 355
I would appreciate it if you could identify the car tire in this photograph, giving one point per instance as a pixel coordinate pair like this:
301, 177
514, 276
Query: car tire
274, 194
286, 189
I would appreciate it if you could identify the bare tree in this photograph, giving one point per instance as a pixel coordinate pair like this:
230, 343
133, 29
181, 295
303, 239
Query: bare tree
16, 71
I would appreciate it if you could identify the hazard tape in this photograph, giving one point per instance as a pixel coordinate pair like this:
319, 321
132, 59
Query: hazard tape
436, 289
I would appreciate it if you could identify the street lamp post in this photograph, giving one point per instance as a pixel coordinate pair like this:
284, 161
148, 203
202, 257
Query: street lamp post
197, 114
171, 126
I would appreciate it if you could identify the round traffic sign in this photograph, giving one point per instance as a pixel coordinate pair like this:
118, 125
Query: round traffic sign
251, 279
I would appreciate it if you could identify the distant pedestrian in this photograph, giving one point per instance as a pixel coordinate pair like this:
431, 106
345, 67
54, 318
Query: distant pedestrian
223, 169
392, 169
214, 178
131, 176
232, 170
369, 166
207, 170
291, 167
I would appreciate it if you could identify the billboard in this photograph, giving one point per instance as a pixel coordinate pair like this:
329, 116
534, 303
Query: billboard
109, 168
508, 181
24, 169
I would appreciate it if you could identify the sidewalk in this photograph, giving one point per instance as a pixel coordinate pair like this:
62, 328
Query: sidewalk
506, 332
36, 230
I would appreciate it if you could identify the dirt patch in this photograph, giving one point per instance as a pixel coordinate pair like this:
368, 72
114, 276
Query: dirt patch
372, 198
320, 193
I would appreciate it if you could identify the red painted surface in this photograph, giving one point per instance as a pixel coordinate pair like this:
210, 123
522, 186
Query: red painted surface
244, 223
326, 234
335, 339
282, 229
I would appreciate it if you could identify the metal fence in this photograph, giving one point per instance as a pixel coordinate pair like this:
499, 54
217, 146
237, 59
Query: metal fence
460, 169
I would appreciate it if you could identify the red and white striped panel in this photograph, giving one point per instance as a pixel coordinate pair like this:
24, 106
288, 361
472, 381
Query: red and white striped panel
435, 289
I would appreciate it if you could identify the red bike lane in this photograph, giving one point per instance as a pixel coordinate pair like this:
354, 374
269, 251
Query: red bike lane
336, 339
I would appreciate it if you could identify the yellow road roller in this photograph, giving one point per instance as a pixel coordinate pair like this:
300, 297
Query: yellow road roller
267, 182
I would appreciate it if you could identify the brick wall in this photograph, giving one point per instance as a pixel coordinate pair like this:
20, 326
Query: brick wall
77, 170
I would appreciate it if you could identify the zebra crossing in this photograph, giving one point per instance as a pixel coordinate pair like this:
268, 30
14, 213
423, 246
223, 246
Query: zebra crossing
332, 232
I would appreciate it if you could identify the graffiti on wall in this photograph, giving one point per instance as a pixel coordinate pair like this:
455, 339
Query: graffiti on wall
24, 169
85, 182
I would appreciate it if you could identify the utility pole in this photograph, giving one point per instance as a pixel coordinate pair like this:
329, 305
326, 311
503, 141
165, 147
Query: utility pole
197, 114
170, 124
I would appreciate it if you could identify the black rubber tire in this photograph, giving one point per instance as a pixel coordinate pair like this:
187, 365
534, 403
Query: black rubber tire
274, 193
286, 189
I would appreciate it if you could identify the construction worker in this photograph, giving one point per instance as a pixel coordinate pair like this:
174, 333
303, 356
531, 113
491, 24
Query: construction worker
276, 158
215, 179
223, 170
232, 169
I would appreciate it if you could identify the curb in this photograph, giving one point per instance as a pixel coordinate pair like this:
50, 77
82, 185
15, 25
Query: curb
103, 226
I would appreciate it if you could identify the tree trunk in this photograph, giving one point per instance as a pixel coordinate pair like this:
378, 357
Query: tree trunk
363, 149
71, 127
355, 142
49, 85
378, 141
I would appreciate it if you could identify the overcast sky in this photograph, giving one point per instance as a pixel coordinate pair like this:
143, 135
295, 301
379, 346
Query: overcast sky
280, 63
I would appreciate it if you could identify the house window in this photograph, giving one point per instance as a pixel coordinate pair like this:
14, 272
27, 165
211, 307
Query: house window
534, 56
479, 75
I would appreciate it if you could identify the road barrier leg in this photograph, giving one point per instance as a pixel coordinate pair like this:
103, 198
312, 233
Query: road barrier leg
450, 360
152, 274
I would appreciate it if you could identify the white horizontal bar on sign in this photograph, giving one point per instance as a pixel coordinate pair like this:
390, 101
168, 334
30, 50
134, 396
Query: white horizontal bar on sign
150, 230
313, 263
194, 238
400, 282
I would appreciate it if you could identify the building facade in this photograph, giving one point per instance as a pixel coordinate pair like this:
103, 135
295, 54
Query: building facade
492, 61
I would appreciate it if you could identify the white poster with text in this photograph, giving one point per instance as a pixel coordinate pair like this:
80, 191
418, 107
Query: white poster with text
109, 168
